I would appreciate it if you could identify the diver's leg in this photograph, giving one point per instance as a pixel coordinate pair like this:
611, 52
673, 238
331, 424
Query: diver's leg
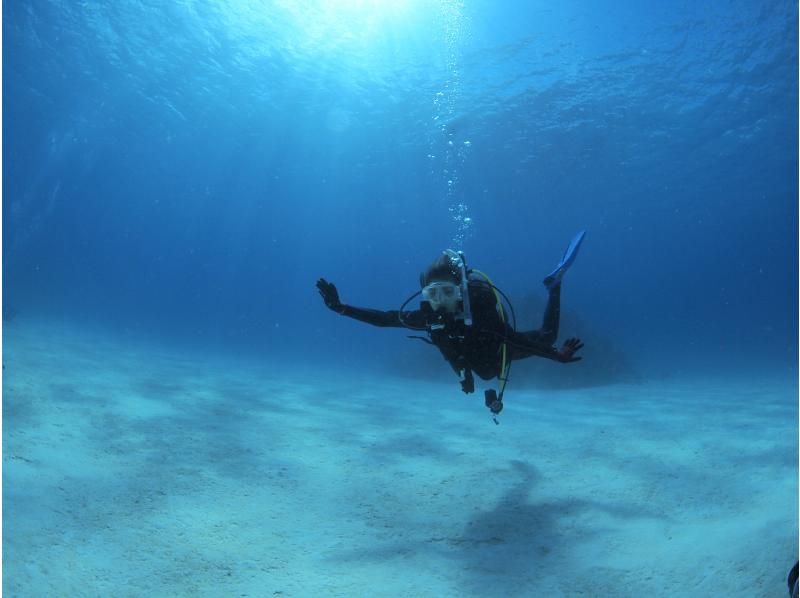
548, 333
552, 316
538, 342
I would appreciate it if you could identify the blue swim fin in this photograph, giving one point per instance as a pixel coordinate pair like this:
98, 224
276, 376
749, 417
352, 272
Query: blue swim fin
554, 278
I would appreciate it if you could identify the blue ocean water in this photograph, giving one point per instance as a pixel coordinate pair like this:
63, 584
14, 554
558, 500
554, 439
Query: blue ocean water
192, 169
180, 174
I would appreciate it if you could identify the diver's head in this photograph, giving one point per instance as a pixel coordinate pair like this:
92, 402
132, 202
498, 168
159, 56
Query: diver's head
441, 282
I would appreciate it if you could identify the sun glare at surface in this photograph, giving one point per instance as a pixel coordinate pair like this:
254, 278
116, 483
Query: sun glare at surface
371, 6
335, 23
359, 33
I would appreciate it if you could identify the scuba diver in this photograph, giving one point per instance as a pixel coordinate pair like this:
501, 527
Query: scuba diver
463, 315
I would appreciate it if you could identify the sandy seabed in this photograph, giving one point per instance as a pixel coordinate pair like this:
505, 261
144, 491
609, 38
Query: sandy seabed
130, 469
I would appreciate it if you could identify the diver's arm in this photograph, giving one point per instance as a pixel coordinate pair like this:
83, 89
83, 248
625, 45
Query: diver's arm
526, 344
386, 319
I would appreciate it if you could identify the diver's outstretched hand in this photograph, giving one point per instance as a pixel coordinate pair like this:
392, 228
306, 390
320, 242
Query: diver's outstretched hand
329, 294
566, 354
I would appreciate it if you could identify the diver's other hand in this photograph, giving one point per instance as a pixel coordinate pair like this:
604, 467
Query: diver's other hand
329, 294
566, 354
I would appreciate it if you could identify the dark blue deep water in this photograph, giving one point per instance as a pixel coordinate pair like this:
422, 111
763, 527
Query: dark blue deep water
187, 170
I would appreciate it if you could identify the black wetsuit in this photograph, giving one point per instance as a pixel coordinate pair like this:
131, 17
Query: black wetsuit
476, 348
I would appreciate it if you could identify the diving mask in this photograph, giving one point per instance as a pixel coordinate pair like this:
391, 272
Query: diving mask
444, 294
